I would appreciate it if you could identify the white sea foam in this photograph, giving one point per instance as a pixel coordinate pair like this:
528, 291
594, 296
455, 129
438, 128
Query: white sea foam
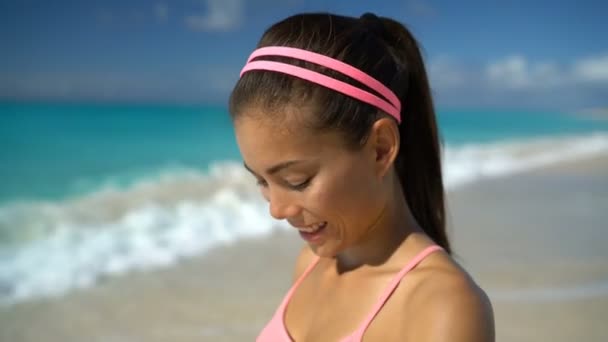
469, 163
111, 232
49, 248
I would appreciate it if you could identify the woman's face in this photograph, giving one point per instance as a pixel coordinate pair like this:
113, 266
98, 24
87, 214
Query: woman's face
312, 180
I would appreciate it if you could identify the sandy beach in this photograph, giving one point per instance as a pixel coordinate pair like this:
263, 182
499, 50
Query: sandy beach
535, 241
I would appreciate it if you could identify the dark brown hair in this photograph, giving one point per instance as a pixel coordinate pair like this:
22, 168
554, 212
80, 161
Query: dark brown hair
384, 49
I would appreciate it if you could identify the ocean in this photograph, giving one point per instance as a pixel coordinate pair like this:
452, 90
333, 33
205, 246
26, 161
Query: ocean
90, 191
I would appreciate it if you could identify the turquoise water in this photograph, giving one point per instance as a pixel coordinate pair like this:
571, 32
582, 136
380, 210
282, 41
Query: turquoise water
58, 150
97, 190
483, 126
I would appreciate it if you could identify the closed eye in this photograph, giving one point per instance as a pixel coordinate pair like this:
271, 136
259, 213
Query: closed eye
297, 187
262, 183
300, 186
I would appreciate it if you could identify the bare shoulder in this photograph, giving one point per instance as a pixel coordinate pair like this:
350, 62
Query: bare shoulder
304, 259
450, 306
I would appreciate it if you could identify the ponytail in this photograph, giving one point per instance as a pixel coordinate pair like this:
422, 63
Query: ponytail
418, 163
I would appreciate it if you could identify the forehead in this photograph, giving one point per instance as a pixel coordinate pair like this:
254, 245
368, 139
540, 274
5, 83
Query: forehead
264, 142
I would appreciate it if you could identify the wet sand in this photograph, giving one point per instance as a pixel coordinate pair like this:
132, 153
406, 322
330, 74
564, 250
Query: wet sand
535, 241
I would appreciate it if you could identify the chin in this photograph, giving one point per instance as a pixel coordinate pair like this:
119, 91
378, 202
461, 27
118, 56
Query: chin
325, 251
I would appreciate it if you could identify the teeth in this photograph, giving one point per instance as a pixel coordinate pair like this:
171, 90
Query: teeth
313, 228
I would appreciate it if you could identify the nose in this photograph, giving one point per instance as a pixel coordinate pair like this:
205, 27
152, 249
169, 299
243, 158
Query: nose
281, 205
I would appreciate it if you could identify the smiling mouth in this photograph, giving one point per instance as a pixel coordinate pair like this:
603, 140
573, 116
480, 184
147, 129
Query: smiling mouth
313, 228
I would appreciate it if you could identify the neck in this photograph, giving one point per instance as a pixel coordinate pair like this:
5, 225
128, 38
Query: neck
394, 224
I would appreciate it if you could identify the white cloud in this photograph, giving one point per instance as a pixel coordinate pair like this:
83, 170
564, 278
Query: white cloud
516, 72
161, 11
222, 15
201, 83
509, 81
100, 85
511, 72
445, 73
594, 69
547, 74
515, 80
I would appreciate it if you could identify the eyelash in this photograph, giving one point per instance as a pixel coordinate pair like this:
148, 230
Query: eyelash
297, 187
301, 186
261, 182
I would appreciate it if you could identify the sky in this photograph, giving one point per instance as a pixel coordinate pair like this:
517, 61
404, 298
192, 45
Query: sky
497, 54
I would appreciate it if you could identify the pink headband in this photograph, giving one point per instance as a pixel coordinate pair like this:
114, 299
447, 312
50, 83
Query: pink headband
392, 107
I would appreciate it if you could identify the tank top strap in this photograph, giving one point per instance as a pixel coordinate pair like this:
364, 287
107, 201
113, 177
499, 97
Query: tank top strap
391, 288
297, 283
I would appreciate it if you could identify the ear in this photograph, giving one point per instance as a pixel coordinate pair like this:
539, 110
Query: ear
384, 142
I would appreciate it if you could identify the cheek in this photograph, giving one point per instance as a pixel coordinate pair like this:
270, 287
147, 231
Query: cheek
346, 198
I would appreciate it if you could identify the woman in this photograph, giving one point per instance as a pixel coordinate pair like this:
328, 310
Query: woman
334, 117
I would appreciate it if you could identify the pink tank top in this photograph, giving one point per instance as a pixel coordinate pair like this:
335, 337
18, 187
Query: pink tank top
275, 330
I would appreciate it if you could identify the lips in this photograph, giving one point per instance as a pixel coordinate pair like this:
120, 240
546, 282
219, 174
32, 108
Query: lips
313, 233
312, 228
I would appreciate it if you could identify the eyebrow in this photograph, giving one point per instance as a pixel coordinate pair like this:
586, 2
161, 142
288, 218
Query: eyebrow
276, 168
